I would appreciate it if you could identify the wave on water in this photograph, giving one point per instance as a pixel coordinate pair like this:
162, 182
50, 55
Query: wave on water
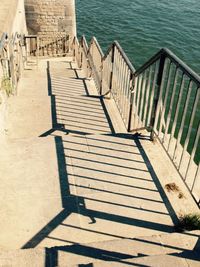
144, 26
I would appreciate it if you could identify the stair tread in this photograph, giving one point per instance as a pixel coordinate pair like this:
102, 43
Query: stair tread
113, 253
125, 249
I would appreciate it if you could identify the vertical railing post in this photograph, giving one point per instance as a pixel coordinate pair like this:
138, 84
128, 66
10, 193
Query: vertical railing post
131, 101
81, 54
37, 48
67, 44
112, 69
81, 59
9, 61
101, 82
74, 48
89, 68
157, 95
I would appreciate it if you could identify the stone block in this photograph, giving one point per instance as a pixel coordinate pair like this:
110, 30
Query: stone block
51, 16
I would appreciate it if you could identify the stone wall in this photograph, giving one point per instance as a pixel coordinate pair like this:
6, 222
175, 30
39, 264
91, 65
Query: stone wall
48, 17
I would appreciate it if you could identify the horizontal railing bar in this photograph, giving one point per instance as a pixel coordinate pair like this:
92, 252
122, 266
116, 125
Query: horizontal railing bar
30, 36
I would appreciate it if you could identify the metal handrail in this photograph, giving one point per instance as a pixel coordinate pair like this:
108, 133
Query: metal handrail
84, 44
118, 46
94, 40
184, 67
49, 42
176, 60
123, 54
147, 64
146, 96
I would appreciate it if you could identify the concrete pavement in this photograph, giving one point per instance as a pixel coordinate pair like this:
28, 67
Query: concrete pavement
71, 174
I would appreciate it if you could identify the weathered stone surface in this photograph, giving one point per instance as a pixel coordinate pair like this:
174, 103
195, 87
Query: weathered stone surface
50, 17
12, 16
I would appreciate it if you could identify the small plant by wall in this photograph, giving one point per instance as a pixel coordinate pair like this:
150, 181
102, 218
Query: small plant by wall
189, 222
6, 85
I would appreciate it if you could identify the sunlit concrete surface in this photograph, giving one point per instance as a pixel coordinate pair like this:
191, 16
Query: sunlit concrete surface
71, 174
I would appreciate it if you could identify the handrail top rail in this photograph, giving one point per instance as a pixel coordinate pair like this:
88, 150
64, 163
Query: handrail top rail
124, 56
94, 40
30, 36
175, 59
162, 52
84, 42
116, 44
165, 82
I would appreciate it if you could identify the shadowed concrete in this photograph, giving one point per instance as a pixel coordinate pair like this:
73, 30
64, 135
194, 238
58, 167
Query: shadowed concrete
71, 173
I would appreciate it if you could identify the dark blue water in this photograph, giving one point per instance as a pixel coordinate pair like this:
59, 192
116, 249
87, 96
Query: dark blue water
142, 27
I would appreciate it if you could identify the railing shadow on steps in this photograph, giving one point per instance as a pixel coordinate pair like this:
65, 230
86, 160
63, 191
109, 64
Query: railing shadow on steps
71, 207
162, 96
77, 204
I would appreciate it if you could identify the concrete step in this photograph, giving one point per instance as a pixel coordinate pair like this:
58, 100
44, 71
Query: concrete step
124, 250
174, 249
190, 259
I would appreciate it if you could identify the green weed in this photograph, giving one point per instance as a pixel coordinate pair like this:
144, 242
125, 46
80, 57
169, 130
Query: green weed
189, 222
7, 86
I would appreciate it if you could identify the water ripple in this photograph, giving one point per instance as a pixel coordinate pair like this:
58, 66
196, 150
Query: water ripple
144, 26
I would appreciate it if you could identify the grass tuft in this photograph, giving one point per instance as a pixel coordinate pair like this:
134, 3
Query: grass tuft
189, 222
7, 85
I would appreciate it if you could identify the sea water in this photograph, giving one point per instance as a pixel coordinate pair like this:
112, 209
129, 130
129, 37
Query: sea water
142, 27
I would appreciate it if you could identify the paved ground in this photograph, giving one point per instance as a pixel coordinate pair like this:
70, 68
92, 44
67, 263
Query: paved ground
70, 172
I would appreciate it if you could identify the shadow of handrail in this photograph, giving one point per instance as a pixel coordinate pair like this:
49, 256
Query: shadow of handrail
76, 204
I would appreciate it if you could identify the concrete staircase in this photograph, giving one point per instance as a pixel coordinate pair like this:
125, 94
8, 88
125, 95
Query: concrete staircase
176, 249
76, 194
